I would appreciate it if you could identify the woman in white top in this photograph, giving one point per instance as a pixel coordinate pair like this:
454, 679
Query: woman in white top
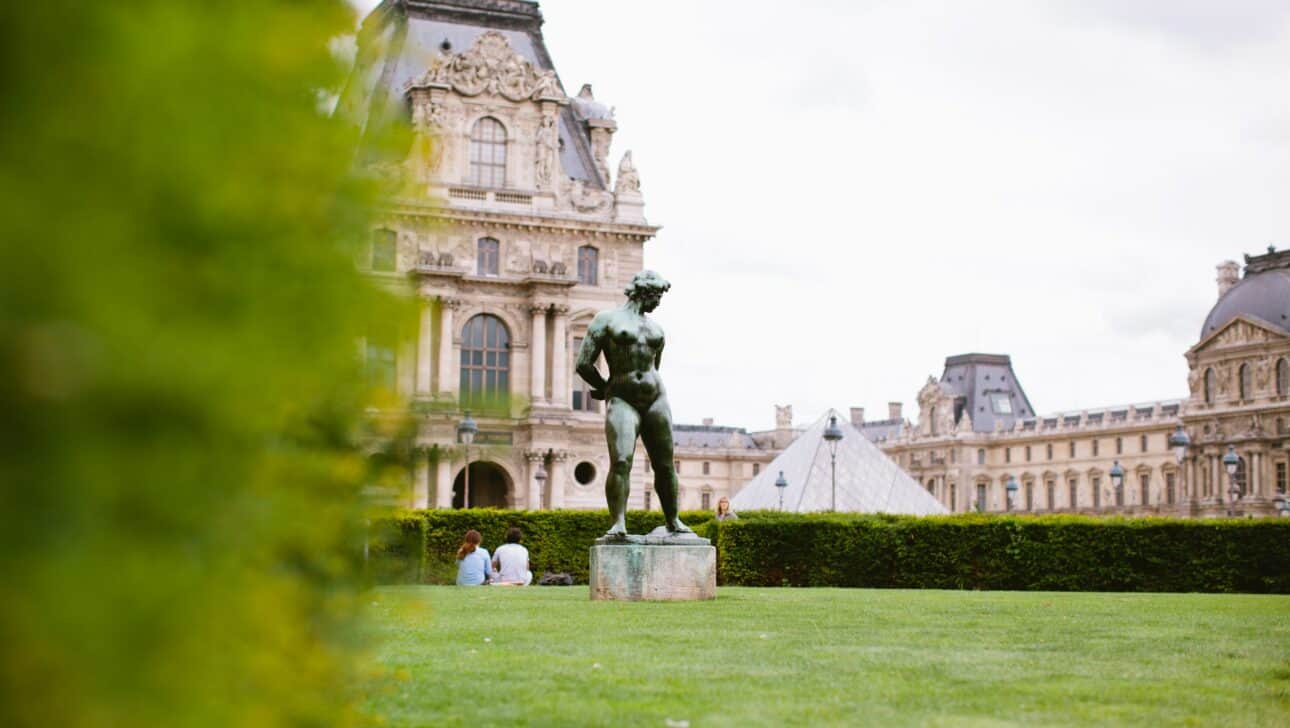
511, 561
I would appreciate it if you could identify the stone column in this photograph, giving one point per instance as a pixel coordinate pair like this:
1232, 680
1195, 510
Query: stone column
447, 362
425, 349
443, 481
556, 478
537, 355
421, 480
1255, 486
531, 494
560, 358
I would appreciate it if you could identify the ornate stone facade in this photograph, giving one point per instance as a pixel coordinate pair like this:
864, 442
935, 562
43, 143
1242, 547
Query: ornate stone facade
511, 236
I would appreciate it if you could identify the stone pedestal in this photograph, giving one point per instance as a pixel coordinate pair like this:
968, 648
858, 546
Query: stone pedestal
653, 568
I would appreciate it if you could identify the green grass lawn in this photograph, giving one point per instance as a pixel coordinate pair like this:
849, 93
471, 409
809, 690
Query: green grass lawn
548, 656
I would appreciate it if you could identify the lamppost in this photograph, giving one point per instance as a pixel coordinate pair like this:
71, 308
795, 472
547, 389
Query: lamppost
1012, 491
781, 485
1117, 481
466, 430
540, 477
1231, 461
832, 435
1180, 442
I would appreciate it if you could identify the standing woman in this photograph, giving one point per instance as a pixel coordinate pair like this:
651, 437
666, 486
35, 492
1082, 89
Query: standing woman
474, 568
723, 510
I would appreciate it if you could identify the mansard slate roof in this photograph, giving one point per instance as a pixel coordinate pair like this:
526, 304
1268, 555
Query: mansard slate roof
711, 436
1264, 294
399, 38
867, 480
978, 378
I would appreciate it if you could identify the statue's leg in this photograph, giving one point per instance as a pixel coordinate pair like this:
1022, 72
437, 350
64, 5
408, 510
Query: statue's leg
622, 423
656, 433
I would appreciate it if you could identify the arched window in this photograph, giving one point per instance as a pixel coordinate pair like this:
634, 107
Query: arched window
1283, 377
488, 153
487, 251
1211, 385
588, 265
485, 362
1246, 386
705, 500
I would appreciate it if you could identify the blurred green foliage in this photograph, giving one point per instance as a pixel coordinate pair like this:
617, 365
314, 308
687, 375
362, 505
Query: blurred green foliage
180, 523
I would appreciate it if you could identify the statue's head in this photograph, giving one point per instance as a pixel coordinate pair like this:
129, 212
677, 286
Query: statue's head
648, 288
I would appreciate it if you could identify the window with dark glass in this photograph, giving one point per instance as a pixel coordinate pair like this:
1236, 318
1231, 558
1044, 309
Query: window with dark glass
980, 456
582, 401
707, 468
1119, 446
1247, 387
756, 469
1073, 486
485, 363
1072, 448
487, 252
488, 153
1211, 385
1030, 496
1283, 377
980, 496
1007, 454
1049, 449
1281, 477
1095, 448
1146, 489
1027, 453
648, 498
588, 265
1170, 483
384, 243
1097, 492
1142, 443
678, 467
705, 500
954, 503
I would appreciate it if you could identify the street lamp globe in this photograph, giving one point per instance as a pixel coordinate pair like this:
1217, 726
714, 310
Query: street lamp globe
1117, 474
1282, 504
833, 433
1231, 460
466, 429
781, 485
1012, 488
1179, 441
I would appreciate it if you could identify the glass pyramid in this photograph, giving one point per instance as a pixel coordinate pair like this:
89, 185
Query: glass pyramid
868, 481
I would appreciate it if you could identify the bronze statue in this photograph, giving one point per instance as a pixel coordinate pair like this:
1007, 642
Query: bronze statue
637, 403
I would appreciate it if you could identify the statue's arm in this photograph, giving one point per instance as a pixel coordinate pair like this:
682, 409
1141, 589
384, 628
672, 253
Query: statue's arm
587, 354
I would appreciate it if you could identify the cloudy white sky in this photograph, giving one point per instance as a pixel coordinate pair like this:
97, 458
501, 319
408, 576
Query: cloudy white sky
851, 190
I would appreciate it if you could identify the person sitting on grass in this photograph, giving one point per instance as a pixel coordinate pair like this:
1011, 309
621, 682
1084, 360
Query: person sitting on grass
512, 561
723, 510
474, 568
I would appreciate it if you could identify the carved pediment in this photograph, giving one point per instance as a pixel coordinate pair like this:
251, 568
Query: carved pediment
490, 66
1240, 331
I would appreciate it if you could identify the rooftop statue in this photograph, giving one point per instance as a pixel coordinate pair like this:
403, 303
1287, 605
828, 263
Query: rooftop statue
637, 402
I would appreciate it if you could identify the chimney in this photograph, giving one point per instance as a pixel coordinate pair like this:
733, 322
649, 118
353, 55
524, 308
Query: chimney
893, 411
784, 417
857, 417
707, 422
1229, 273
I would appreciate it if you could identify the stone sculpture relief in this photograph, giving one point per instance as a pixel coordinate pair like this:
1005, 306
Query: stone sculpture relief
548, 147
628, 182
490, 66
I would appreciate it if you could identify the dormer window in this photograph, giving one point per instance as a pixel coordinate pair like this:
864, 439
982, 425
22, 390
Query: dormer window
1001, 404
488, 153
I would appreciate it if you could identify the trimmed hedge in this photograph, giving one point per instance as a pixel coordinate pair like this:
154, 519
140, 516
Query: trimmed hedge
399, 551
971, 551
1051, 553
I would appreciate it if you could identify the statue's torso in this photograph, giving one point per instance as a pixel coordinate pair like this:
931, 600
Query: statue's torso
631, 345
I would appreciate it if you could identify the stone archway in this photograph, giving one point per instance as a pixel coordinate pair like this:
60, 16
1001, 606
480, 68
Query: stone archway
490, 486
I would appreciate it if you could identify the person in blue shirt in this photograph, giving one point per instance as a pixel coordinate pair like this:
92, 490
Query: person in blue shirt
474, 567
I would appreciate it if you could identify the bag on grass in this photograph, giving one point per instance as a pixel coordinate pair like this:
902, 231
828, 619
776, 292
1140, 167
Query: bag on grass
555, 579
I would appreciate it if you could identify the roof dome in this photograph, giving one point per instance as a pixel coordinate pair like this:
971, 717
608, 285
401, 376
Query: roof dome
1264, 293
